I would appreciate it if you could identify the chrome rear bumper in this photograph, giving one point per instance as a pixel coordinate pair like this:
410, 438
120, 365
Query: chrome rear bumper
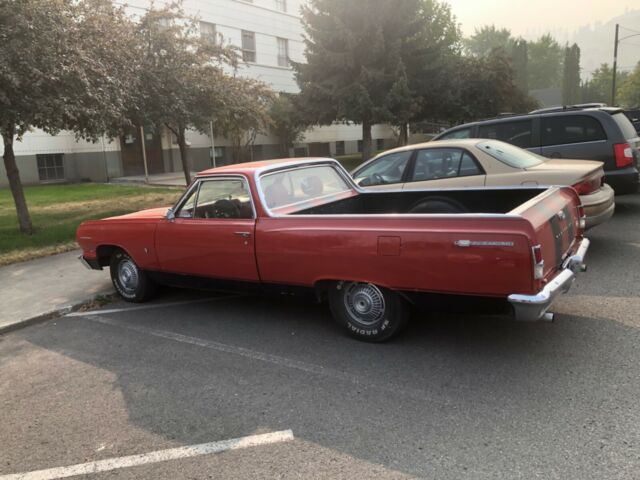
534, 307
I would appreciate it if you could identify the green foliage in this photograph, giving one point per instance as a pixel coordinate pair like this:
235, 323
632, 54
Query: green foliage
487, 39
520, 63
374, 61
629, 95
286, 122
598, 87
571, 76
545, 63
486, 87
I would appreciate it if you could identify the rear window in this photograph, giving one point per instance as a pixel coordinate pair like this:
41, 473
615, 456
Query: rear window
516, 133
461, 133
566, 129
628, 130
509, 154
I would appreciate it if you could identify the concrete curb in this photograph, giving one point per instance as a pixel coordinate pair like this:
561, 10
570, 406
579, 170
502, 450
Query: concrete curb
55, 313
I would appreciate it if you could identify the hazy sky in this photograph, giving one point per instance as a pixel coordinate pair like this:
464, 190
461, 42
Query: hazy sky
531, 17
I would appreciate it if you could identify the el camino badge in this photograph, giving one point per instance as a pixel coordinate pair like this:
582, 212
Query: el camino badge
481, 243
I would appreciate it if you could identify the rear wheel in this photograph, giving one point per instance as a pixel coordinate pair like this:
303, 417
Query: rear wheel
368, 312
130, 282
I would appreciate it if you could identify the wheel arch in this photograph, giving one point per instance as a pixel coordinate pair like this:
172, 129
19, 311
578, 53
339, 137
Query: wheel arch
322, 286
105, 251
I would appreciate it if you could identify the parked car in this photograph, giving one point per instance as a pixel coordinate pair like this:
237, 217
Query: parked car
303, 226
478, 163
603, 134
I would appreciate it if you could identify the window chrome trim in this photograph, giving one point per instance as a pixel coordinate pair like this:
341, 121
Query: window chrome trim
208, 178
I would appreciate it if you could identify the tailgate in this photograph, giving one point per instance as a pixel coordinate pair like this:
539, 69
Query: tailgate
555, 217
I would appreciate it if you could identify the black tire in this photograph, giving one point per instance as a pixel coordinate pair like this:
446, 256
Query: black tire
438, 205
131, 283
368, 312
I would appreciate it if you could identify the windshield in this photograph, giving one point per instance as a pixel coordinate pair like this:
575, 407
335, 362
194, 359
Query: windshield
509, 154
297, 189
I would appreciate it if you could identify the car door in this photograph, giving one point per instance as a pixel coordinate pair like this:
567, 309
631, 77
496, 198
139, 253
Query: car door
212, 232
575, 136
444, 168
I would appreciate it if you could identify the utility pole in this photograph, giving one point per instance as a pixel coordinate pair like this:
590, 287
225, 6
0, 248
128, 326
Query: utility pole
615, 66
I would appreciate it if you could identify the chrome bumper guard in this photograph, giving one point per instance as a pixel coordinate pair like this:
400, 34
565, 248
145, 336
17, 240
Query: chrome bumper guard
530, 308
91, 266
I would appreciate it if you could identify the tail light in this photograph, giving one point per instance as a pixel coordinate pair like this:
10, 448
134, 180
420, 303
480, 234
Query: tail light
589, 185
538, 262
624, 155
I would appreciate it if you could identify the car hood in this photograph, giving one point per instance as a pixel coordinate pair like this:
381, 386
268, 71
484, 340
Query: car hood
579, 167
149, 214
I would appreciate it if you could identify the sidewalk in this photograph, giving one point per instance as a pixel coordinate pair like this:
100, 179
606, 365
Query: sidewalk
36, 289
171, 179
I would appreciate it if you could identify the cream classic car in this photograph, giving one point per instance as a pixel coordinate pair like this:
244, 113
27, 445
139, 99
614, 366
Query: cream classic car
479, 163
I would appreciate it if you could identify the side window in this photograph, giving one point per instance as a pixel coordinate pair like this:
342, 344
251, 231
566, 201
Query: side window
385, 170
228, 198
462, 133
436, 163
516, 133
559, 130
468, 166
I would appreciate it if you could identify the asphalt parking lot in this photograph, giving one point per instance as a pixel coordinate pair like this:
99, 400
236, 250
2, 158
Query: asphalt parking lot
455, 397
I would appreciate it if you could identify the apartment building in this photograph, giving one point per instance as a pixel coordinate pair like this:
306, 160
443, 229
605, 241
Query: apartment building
269, 34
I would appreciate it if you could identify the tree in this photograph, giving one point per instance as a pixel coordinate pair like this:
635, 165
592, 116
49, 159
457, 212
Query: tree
545, 63
182, 80
366, 60
246, 115
598, 88
352, 51
520, 62
487, 39
630, 89
64, 65
571, 76
486, 87
286, 122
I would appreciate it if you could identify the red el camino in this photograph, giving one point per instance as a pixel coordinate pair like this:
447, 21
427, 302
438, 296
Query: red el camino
303, 226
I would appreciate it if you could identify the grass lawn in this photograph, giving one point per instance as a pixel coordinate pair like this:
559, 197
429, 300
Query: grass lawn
56, 211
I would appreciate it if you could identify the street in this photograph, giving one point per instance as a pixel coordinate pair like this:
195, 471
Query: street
454, 397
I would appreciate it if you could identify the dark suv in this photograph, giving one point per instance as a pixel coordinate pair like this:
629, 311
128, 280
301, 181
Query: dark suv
603, 134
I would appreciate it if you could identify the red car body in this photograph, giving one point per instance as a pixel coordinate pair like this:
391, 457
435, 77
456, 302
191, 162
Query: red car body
515, 255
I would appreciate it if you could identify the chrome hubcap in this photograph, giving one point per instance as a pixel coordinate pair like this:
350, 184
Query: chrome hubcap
364, 303
128, 276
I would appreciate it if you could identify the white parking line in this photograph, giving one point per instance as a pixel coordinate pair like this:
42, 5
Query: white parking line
153, 457
149, 307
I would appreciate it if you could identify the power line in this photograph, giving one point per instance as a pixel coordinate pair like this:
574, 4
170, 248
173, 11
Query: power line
630, 29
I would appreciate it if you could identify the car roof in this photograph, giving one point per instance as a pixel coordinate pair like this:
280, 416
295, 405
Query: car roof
251, 167
454, 142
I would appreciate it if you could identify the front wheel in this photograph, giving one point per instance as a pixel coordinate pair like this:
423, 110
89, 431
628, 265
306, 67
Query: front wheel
130, 282
368, 312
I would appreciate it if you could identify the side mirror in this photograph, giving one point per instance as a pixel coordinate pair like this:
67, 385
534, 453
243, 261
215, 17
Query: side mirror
170, 215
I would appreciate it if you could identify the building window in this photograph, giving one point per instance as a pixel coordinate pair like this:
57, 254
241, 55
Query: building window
380, 144
50, 167
248, 46
283, 52
340, 147
359, 146
300, 152
208, 32
281, 5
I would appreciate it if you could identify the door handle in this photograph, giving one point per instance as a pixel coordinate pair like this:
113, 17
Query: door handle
243, 234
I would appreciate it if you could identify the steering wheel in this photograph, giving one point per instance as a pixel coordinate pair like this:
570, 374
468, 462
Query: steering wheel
225, 209
376, 179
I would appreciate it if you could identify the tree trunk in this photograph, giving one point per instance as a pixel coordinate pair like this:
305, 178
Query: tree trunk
403, 137
367, 146
13, 175
184, 153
